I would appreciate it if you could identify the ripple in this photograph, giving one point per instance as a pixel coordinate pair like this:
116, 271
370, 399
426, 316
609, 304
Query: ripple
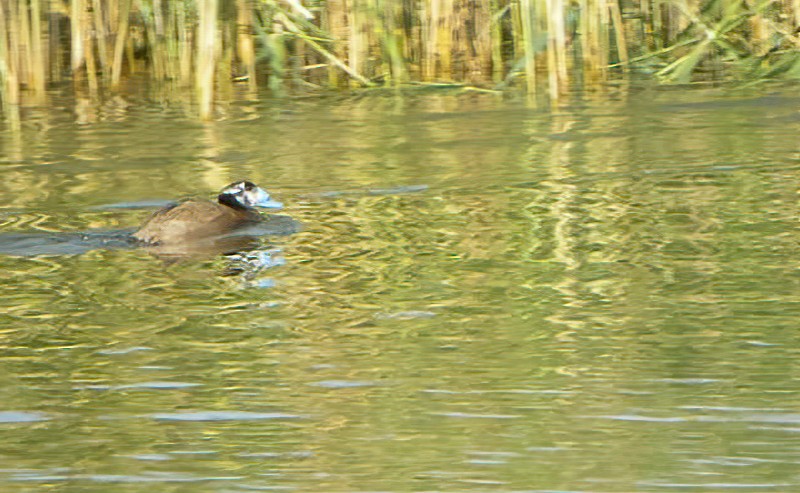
109, 352
21, 417
405, 315
142, 386
343, 384
221, 416
637, 417
478, 416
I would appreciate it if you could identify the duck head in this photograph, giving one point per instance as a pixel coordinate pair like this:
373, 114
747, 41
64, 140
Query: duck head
247, 195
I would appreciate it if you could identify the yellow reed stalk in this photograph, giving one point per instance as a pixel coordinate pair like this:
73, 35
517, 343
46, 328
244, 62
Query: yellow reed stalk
184, 46
430, 40
38, 67
393, 40
91, 65
558, 36
546, 25
335, 22
100, 35
119, 43
206, 52
9, 83
244, 41
528, 44
497, 42
77, 7
444, 40
619, 33
21, 26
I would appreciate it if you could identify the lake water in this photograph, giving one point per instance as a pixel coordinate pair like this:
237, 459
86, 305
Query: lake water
484, 297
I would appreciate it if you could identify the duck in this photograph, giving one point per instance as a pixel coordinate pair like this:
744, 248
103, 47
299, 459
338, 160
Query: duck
199, 220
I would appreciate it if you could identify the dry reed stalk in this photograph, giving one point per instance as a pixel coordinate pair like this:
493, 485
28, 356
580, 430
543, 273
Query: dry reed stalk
171, 45
388, 14
154, 27
77, 7
206, 51
22, 26
478, 30
185, 43
38, 64
558, 35
9, 83
358, 46
88, 55
528, 37
430, 16
54, 53
336, 23
13, 52
594, 40
277, 58
794, 12
224, 69
123, 19
100, 36
444, 40
546, 26
244, 41
496, 36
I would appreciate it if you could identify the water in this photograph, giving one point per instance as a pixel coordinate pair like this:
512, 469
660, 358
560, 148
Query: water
484, 297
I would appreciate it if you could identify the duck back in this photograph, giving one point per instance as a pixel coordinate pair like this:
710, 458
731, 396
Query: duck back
193, 220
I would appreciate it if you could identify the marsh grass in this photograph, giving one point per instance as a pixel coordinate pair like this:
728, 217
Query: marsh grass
543, 47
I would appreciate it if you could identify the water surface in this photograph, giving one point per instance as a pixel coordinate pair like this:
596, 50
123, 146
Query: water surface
484, 297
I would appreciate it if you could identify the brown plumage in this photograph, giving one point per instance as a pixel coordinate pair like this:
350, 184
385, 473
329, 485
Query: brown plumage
196, 220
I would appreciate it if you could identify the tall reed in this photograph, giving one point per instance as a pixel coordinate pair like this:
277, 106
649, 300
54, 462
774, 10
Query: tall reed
544, 47
206, 52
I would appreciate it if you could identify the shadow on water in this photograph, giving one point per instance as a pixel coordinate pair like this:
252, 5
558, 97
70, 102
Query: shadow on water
40, 243
57, 244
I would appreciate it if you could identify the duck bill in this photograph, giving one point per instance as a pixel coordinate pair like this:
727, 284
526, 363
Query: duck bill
262, 199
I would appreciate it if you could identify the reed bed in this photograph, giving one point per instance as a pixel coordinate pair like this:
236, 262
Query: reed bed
544, 47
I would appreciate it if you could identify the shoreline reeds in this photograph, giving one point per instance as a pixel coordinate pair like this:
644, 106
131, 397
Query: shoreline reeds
543, 47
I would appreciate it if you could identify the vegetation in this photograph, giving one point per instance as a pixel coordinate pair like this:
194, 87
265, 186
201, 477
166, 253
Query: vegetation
541, 46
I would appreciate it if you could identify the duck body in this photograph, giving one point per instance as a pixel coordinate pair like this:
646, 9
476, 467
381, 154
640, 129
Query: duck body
199, 220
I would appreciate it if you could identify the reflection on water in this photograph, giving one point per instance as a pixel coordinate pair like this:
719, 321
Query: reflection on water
483, 297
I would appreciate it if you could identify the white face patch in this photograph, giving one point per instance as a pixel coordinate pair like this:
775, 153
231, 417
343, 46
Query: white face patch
234, 190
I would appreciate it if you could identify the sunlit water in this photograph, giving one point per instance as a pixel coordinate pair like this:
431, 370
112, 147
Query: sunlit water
484, 297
